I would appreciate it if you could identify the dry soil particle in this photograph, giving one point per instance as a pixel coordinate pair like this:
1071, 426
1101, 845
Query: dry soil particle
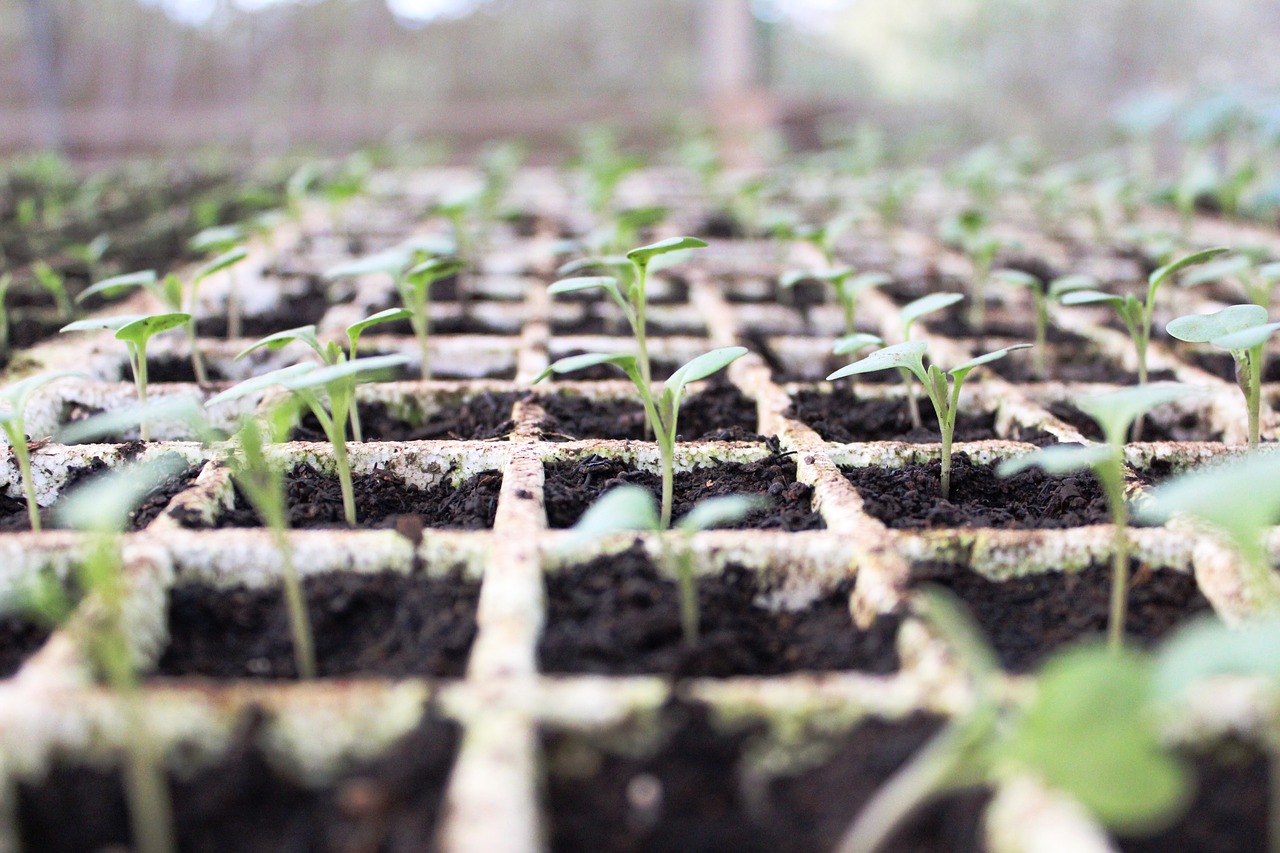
383, 624
1029, 617
484, 416
720, 413
705, 801
1229, 812
390, 804
908, 498
13, 510
571, 487
19, 639
1184, 426
616, 615
843, 417
382, 500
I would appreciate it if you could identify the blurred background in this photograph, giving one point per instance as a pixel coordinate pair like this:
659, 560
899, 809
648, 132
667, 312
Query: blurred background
105, 79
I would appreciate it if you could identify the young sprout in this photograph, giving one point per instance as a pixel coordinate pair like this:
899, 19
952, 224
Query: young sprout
13, 422
329, 392
633, 508
942, 386
1241, 330
135, 332
91, 254
825, 236
1114, 412
225, 261
632, 300
1042, 296
1085, 728
603, 166
1240, 499
907, 316
56, 286
6, 280
1256, 280
847, 285
661, 412
101, 508
1137, 313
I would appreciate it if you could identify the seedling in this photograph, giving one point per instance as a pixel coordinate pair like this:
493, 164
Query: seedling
604, 166
1042, 295
907, 316
847, 285
634, 302
633, 508
824, 237
970, 232
1115, 413
101, 508
225, 240
943, 387
13, 421
56, 286
1258, 281
135, 332
1240, 499
1241, 330
1085, 728
329, 392
661, 412
91, 254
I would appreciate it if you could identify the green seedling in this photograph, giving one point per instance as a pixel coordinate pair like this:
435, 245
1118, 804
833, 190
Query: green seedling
824, 237
1042, 296
847, 285
661, 412
633, 508
135, 332
1114, 413
907, 316
633, 300
1241, 330
13, 422
101, 508
1258, 281
856, 343
6, 281
970, 232
1240, 499
603, 166
329, 393
1137, 313
56, 286
1086, 727
625, 227
942, 386
91, 254
225, 240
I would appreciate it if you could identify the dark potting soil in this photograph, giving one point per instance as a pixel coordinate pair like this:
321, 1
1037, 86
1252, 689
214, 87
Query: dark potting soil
616, 615
295, 309
571, 487
13, 510
594, 324
908, 498
1029, 617
390, 804
1229, 811
20, 638
486, 415
1070, 364
811, 371
384, 624
1186, 426
596, 799
720, 413
382, 500
842, 417
1223, 366
172, 368
953, 322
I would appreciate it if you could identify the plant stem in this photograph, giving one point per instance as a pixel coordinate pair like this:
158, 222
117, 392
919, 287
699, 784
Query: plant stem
421, 329
947, 424
849, 304
1042, 334
681, 562
150, 812
138, 360
639, 300
666, 451
304, 654
22, 453
913, 402
233, 306
1252, 387
344, 480
197, 359
1112, 477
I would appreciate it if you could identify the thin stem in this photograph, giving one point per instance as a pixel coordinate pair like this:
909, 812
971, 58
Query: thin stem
947, 424
333, 428
138, 358
233, 305
1112, 477
666, 450
197, 358
849, 304
1042, 334
304, 654
150, 811
681, 562
1252, 387
22, 453
639, 300
913, 402
421, 328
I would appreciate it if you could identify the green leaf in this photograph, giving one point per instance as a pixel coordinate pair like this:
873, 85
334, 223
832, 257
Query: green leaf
1090, 297
1208, 647
171, 291
595, 282
216, 239
1058, 459
866, 280
104, 503
141, 330
263, 381
1161, 275
986, 358
98, 324
584, 264
644, 254
1241, 496
183, 409
909, 355
1216, 271
1201, 328
1115, 411
627, 363
391, 261
714, 512
333, 372
621, 508
224, 261
1270, 272
793, 277
281, 339
358, 328
1059, 287
702, 366
19, 393
917, 308
1089, 734
118, 284
434, 269
855, 342
1016, 278
1246, 338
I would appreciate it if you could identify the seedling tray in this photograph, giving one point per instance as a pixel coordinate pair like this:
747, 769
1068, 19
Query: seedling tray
487, 688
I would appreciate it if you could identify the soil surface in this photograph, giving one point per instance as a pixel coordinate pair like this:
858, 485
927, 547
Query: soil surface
382, 500
1069, 364
1229, 812
571, 487
783, 372
484, 416
842, 417
590, 323
1185, 426
702, 806
616, 615
171, 368
295, 309
383, 624
390, 804
720, 413
1028, 618
908, 498
13, 510
20, 638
